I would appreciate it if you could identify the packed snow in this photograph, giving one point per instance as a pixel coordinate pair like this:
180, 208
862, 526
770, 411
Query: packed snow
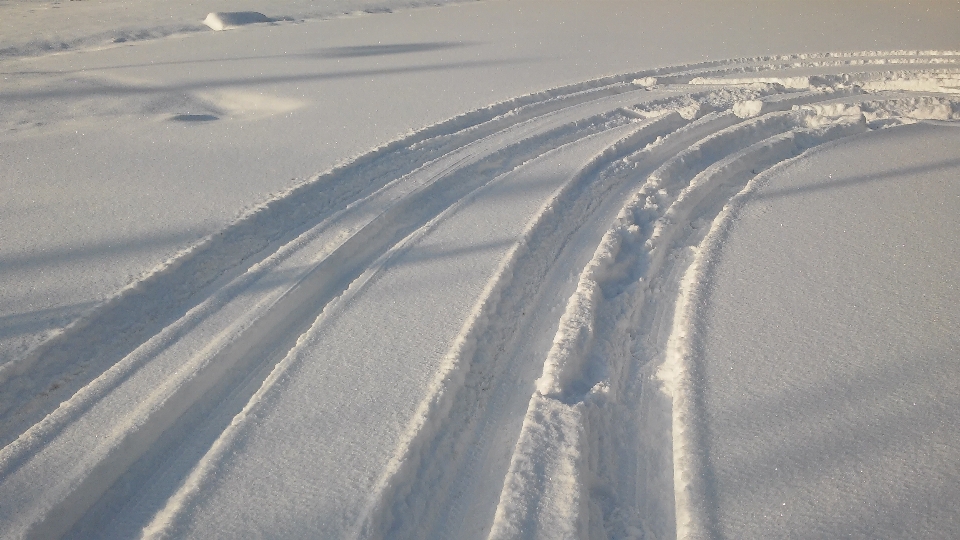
487, 269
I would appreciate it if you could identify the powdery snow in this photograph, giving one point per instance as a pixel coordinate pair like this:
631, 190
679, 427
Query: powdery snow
827, 345
489, 269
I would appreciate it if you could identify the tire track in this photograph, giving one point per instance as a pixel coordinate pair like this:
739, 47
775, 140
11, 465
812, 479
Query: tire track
577, 216
498, 356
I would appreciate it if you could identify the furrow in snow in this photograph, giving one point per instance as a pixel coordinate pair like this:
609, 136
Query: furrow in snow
491, 369
583, 126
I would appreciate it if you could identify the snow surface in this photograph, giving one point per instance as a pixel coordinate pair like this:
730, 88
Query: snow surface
831, 401
383, 269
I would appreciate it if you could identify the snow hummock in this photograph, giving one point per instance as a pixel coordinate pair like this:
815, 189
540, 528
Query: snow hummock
224, 20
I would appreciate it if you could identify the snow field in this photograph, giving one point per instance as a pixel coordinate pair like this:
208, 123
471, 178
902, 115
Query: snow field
256, 377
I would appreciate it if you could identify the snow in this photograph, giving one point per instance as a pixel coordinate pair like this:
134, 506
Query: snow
483, 269
35, 27
225, 20
852, 432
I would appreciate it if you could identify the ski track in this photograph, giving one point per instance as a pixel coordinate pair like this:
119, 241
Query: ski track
527, 384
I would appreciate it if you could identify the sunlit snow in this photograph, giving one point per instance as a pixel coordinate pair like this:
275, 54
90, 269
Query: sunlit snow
481, 269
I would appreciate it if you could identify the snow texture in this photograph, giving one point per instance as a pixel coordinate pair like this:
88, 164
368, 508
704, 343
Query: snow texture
479, 270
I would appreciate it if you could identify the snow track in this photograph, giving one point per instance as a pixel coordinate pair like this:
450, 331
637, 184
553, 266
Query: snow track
523, 273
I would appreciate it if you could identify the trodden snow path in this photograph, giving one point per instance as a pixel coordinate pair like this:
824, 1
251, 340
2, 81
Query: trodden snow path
460, 334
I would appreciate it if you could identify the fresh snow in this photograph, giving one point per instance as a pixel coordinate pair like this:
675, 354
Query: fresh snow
858, 401
502, 269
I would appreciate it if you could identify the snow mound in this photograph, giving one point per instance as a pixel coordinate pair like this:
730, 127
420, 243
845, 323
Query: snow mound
224, 20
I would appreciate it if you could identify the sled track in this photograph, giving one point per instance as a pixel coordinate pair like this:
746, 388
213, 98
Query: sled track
556, 403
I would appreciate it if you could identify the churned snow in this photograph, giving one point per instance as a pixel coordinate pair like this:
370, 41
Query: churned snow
502, 269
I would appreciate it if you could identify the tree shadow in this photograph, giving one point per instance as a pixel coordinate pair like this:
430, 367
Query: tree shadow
857, 180
110, 89
117, 327
33, 322
426, 254
95, 251
194, 118
878, 436
384, 50
357, 51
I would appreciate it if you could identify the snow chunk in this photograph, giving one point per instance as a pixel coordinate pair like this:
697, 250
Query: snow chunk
689, 112
747, 109
832, 113
224, 20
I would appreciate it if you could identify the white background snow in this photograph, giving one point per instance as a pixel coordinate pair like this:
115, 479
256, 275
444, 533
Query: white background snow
380, 269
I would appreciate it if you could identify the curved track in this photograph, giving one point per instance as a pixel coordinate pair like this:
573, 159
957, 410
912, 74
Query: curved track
453, 336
